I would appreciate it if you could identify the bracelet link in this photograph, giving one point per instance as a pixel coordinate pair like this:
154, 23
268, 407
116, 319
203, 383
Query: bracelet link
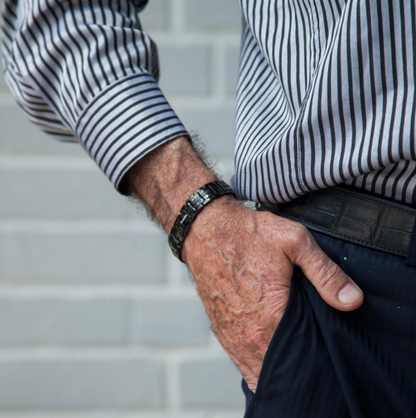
192, 207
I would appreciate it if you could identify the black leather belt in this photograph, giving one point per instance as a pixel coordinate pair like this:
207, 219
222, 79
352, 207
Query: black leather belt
353, 215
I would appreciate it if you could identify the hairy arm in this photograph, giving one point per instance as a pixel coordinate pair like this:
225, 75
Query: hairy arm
242, 271
164, 179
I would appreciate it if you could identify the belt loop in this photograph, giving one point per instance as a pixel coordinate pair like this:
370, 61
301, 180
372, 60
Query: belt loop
411, 254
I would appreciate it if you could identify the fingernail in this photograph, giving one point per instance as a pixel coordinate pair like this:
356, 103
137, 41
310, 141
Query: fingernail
349, 294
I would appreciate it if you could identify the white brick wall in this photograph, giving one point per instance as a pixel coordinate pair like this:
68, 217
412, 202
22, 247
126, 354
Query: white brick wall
97, 318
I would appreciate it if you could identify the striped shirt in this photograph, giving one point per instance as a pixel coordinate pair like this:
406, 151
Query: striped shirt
326, 90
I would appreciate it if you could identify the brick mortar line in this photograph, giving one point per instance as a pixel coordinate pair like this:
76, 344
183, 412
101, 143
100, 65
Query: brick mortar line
46, 162
104, 292
172, 381
79, 225
172, 353
176, 17
125, 412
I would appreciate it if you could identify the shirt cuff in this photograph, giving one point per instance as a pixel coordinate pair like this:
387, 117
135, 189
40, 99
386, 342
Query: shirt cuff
127, 120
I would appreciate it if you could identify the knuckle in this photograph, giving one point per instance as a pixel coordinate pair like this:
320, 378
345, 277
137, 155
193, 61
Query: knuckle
328, 276
299, 235
300, 240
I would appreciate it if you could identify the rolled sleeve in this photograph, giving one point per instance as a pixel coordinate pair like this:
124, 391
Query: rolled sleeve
87, 72
125, 122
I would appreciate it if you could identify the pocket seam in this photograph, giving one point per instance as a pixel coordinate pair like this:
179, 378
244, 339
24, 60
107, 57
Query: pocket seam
264, 371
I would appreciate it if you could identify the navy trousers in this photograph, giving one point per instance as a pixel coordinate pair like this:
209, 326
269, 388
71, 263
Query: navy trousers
324, 363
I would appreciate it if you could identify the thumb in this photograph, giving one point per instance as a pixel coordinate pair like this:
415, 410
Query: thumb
334, 286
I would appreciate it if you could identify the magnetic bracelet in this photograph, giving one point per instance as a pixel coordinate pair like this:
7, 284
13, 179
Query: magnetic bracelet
190, 210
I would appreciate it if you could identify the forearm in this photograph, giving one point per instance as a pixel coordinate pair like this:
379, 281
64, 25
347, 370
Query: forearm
165, 178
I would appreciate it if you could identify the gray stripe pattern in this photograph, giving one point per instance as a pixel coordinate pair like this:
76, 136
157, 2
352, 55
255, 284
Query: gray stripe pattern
326, 95
86, 71
326, 91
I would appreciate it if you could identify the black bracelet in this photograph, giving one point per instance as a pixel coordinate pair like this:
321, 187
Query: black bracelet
190, 210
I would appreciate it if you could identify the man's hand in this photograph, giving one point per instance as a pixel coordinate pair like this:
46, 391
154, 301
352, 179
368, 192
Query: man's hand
242, 260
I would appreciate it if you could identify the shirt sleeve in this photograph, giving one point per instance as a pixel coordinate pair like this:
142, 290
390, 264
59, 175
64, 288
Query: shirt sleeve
86, 71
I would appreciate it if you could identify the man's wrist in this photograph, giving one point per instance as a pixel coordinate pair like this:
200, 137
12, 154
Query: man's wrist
165, 178
196, 203
212, 223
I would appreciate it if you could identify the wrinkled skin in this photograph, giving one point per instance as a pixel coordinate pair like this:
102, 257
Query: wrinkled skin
242, 262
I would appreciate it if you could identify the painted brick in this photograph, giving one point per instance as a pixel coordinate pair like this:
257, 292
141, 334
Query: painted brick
64, 190
231, 59
179, 272
55, 320
215, 125
222, 15
81, 383
235, 414
184, 69
169, 321
155, 16
18, 135
210, 383
82, 255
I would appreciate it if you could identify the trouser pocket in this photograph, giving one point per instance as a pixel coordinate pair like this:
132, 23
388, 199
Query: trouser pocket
253, 398
284, 324
297, 375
